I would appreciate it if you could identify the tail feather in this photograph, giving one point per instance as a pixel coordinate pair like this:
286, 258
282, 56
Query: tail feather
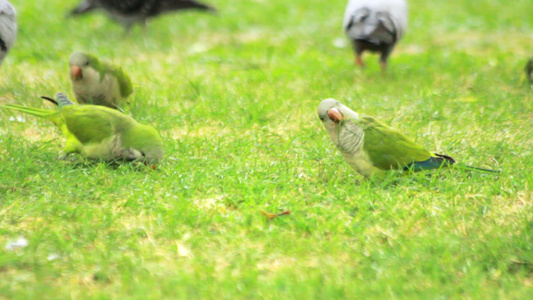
50, 99
84, 7
170, 5
470, 168
449, 161
440, 161
38, 112
62, 100
434, 162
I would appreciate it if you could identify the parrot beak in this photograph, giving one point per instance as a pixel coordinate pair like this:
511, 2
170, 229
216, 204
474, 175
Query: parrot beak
75, 73
335, 115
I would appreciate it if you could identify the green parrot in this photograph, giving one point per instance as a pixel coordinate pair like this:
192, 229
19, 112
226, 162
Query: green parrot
372, 148
98, 132
98, 82
529, 70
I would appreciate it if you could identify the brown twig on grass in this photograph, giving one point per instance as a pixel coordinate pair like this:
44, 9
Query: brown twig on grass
270, 216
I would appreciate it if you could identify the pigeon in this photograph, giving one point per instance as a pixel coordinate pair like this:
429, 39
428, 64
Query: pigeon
376, 26
130, 12
8, 28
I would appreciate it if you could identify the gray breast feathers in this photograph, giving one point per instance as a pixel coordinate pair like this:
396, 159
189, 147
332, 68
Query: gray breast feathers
350, 137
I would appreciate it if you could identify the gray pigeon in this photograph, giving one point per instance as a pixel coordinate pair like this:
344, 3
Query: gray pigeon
529, 70
8, 28
129, 12
375, 25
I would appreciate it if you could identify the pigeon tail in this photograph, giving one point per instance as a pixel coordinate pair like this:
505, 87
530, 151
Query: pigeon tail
84, 7
171, 5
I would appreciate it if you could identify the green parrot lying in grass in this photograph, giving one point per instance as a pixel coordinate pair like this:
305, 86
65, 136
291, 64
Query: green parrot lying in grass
372, 148
98, 82
98, 132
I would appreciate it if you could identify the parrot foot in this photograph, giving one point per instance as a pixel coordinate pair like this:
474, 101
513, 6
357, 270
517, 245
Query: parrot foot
64, 155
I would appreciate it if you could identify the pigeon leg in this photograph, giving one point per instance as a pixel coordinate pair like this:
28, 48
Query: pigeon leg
359, 60
144, 27
383, 59
383, 65
127, 28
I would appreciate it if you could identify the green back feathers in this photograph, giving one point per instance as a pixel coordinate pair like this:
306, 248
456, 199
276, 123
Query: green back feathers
93, 123
388, 148
62, 100
144, 137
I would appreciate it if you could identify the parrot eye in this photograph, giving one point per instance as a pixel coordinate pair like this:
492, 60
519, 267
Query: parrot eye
87, 63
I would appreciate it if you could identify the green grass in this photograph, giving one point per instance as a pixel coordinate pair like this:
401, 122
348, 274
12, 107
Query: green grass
234, 97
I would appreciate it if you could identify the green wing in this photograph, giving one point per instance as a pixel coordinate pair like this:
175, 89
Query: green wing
124, 81
88, 124
388, 148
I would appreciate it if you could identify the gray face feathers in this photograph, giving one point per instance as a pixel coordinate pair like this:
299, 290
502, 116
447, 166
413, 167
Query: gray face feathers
8, 28
130, 12
375, 25
332, 111
325, 106
78, 62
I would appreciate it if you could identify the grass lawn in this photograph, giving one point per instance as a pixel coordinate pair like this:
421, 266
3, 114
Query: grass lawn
234, 97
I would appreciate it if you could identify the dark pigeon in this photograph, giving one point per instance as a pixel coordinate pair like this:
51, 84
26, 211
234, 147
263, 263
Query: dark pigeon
376, 26
131, 12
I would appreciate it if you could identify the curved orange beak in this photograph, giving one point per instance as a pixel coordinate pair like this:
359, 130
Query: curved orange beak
335, 115
75, 72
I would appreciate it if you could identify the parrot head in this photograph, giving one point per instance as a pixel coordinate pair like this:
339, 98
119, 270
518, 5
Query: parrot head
153, 154
336, 118
331, 112
80, 62
144, 144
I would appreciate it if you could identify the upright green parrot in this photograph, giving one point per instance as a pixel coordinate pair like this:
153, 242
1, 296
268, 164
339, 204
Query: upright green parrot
98, 82
98, 132
529, 70
372, 148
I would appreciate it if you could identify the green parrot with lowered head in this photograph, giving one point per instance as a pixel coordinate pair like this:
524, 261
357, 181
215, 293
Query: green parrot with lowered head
98, 82
99, 132
372, 148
